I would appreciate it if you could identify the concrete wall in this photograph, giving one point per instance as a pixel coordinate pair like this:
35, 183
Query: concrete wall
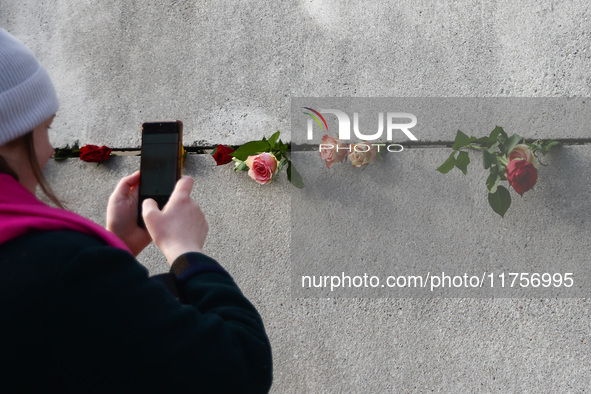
228, 70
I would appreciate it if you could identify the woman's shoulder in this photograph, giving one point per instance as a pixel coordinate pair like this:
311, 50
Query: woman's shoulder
60, 242
42, 253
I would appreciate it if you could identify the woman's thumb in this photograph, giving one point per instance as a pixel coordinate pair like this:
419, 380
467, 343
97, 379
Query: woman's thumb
149, 208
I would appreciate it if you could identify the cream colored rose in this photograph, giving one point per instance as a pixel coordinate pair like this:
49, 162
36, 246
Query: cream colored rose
522, 152
362, 154
332, 150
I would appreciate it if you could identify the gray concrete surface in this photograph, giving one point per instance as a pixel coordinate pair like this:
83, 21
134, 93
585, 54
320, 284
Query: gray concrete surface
400, 217
228, 69
393, 344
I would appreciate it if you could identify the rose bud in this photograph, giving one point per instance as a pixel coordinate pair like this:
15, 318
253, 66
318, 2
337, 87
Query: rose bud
522, 175
94, 154
261, 167
332, 150
222, 154
522, 152
362, 154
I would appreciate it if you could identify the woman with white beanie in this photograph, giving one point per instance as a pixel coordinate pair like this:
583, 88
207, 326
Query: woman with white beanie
79, 313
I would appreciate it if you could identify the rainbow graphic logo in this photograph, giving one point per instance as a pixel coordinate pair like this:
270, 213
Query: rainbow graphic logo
318, 115
344, 124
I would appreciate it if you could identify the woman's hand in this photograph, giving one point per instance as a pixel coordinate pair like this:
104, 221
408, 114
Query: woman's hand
122, 214
180, 227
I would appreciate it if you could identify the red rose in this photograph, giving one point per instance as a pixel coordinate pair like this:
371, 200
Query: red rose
94, 154
522, 175
222, 154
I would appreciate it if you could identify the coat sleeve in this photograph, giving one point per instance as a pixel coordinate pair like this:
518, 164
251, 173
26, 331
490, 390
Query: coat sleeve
113, 329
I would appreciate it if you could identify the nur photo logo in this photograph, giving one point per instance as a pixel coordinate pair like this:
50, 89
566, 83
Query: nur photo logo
344, 124
336, 150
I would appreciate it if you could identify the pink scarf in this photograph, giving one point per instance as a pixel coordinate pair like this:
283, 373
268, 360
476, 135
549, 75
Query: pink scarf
22, 213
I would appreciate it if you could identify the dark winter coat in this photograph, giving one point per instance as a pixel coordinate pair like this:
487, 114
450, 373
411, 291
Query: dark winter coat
79, 316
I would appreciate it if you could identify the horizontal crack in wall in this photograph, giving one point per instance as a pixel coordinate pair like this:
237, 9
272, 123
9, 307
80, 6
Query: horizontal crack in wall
312, 147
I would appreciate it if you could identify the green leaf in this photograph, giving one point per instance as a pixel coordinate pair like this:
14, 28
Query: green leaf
550, 144
274, 139
493, 181
282, 163
462, 162
494, 135
500, 201
461, 141
492, 138
280, 146
488, 159
483, 141
294, 176
512, 143
536, 146
214, 151
64, 153
240, 166
448, 164
250, 149
279, 155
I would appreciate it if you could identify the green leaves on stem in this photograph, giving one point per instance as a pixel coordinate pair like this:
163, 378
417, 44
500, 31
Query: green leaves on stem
496, 150
461, 161
64, 153
274, 146
294, 176
500, 200
449, 164
250, 149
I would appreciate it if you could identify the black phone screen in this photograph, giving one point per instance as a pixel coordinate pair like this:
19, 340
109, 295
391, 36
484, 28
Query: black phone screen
159, 164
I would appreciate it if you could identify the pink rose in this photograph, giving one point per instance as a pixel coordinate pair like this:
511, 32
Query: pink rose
362, 154
261, 167
522, 152
332, 150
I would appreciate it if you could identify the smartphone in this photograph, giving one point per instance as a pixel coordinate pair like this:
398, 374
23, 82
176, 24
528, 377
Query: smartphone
160, 164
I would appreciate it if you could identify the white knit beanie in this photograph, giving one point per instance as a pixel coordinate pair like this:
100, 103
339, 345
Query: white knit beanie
27, 96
